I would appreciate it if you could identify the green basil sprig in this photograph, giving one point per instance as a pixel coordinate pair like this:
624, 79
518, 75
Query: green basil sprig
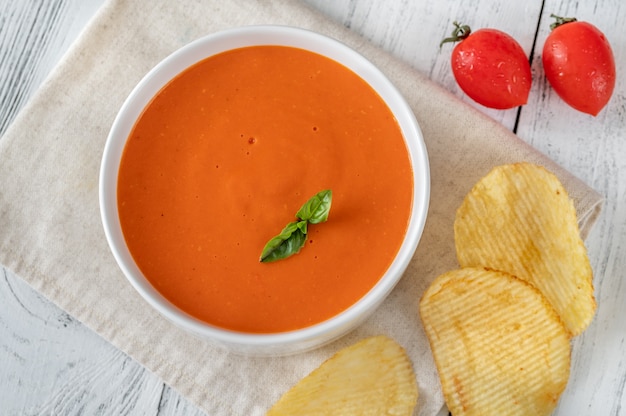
292, 238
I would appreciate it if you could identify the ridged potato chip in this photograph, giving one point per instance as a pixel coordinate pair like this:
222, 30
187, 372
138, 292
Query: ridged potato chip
372, 377
499, 346
519, 219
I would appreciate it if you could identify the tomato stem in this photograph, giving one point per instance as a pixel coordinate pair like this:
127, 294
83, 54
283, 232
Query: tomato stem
560, 21
460, 32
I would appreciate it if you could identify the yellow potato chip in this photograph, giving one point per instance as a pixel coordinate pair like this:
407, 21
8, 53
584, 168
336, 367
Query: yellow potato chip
499, 346
372, 377
519, 219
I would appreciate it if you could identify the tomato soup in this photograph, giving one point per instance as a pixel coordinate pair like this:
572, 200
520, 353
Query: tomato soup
222, 159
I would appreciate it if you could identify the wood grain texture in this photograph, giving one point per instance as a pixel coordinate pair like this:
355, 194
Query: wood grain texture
52, 364
33, 37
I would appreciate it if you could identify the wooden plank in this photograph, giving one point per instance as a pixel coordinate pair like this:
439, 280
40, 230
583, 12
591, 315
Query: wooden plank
593, 149
413, 30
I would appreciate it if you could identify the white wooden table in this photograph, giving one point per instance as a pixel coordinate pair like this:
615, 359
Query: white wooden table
51, 364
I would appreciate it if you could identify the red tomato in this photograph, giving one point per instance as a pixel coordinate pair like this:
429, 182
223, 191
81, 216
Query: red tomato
490, 67
579, 64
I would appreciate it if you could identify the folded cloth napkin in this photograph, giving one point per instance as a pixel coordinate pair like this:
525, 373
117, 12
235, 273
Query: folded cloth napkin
49, 214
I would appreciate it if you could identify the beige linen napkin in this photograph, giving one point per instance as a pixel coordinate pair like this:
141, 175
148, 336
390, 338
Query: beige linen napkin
49, 215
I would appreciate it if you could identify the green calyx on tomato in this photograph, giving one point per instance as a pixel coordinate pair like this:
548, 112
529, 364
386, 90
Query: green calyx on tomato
561, 21
579, 65
459, 33
490, 67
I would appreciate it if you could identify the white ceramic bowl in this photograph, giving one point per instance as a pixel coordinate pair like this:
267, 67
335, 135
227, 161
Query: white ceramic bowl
278, 343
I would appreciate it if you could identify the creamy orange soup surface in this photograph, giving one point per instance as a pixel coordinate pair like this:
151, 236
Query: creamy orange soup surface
222, 159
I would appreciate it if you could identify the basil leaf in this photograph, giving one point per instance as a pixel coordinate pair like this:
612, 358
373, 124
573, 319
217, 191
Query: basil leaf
290, 240
316, 209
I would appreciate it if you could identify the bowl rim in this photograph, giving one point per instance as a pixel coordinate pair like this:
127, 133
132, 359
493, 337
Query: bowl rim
257, 35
